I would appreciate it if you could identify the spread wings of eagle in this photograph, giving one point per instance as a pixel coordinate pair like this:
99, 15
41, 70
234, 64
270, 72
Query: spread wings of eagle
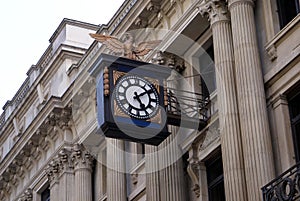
126, 47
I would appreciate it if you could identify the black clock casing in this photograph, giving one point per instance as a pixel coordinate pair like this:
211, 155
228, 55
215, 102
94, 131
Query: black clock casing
130, 99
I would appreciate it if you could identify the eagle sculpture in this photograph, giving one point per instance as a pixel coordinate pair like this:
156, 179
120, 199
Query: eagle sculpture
126, 47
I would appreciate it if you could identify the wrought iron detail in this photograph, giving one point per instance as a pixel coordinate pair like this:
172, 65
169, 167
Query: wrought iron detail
187, 106
286, 187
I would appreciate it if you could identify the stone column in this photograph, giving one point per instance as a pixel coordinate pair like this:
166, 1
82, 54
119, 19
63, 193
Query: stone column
172, 185
116, 180
66, 178
83, 162
230, 132
256, 139
152, 173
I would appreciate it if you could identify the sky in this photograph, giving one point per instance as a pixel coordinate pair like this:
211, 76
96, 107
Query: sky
26, 27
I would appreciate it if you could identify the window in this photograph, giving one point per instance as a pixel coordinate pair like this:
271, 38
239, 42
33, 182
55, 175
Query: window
215, 181
287, 10
203, 61
45, 195
294, 107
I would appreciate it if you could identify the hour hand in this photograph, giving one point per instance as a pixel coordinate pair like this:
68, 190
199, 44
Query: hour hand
137, 97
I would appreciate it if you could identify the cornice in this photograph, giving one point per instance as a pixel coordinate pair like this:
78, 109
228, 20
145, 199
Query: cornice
67, 21
63, 51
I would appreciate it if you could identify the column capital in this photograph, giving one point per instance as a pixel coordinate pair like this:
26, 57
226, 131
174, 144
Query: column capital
53, 170
215, 10
27, 195
65, 161
81, 158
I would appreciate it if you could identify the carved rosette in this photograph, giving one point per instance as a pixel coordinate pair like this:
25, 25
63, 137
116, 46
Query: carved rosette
81, 158
215, 10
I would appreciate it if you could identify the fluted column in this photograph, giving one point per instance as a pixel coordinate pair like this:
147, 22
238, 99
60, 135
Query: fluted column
259, 167
83, 162
171, 175
170, 162
116, 181
230, 132
152, 173
66, 178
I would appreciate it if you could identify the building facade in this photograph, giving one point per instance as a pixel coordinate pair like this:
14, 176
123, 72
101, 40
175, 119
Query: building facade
242, 55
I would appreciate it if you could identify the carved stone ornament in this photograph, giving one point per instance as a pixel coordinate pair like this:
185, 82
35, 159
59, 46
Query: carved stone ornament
170, 60
53, 170
215, 10
81, 158
65, 162
141, 22
125, 47
272, 52
153, 7
194, 162
27, 195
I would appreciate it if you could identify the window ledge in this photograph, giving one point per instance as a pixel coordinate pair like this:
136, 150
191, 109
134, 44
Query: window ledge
271, 47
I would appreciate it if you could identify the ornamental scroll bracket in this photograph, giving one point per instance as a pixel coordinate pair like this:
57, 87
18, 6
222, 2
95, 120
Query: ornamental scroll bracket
193, 168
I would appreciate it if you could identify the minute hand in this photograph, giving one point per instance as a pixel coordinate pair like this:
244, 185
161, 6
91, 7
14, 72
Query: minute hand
145, 92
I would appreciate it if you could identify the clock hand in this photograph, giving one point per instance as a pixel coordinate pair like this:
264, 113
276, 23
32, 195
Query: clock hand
145, 92
137, 97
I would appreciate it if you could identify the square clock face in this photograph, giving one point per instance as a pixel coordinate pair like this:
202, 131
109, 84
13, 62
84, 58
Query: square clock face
136, 97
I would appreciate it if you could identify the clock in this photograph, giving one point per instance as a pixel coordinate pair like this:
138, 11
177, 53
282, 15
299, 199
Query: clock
130, 99
137, 97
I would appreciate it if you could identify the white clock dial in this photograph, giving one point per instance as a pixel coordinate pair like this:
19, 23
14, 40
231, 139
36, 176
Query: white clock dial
137, 97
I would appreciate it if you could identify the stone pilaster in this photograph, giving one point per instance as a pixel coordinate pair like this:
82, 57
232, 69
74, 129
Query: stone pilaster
230, 132
283, 140
152, 176
83, 162
197, 169
66, 178
116, 181
256, 140
53, 174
